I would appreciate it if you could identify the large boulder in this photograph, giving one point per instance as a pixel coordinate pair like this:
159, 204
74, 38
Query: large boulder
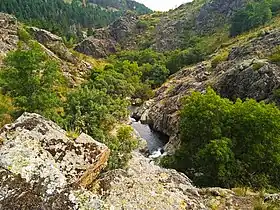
8, 33
105, 40
97, 48
123, 27
54, 43
42, 168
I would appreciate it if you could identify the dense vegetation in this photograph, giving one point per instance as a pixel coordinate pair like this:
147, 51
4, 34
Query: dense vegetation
228, 144
253, 15
59, 17
31, 81
155, 67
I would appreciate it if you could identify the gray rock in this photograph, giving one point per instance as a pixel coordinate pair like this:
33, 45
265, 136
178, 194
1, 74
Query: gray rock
145, 185
8, 33
123, 27
54, 43
41, 168
97, 48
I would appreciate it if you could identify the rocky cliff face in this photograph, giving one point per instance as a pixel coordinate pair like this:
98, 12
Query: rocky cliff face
42, 168
105, 41
246, 73
8, 34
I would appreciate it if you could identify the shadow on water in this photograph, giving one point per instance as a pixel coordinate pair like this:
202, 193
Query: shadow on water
155, 140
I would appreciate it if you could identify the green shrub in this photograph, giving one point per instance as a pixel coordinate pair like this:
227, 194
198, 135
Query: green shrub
228, 144
275, 6
31, 79
6, 109
179, 59
155, 74
121, 147
275, 56
253, 15
223, 56
96, 113
142, 25
23, 34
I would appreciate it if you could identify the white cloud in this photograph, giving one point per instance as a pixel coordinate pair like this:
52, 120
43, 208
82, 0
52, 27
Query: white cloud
162, 5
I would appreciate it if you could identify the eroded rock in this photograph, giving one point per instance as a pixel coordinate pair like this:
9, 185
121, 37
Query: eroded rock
97, 48
39, 161
8, 33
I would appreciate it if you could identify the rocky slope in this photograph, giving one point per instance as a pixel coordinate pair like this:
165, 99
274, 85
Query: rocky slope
123, 5
106, 40
73, 66
247, 73
8, 33
170, 30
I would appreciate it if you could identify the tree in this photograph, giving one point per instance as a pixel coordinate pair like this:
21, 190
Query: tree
31, 78
179, 59
228, 144
253, 15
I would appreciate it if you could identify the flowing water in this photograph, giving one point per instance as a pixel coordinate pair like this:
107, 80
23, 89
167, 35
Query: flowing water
155, 140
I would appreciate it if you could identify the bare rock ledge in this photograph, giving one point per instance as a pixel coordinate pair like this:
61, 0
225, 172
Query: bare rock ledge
42, 168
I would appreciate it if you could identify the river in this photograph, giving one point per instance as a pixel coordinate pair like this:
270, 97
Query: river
155, 140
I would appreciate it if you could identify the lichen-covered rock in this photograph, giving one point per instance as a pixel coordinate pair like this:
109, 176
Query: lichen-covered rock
145, 185
8, 33
38, 159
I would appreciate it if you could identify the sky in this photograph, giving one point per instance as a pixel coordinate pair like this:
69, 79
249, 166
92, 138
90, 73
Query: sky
162, 5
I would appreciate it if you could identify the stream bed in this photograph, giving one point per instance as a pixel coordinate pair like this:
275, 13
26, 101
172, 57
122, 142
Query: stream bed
155, 140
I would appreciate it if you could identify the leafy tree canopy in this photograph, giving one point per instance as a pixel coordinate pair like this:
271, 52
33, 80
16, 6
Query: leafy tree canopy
228, 144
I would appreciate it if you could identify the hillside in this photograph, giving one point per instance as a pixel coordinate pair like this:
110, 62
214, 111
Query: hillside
69, 19
205, 75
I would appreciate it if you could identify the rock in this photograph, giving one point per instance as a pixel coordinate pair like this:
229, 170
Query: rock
44, 36
214, 14
97, 48
8, 33
123, 27
104, 42
41, 165
54, 43
147, 186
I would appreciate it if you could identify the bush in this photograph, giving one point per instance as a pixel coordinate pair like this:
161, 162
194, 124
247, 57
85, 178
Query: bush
223, 56
23, 34
228, 144
6, 109
93, 112
142, 25
31, 79
180, 59
275, 6
121, 147
96, 113
155, 74
275, 56
255, 14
